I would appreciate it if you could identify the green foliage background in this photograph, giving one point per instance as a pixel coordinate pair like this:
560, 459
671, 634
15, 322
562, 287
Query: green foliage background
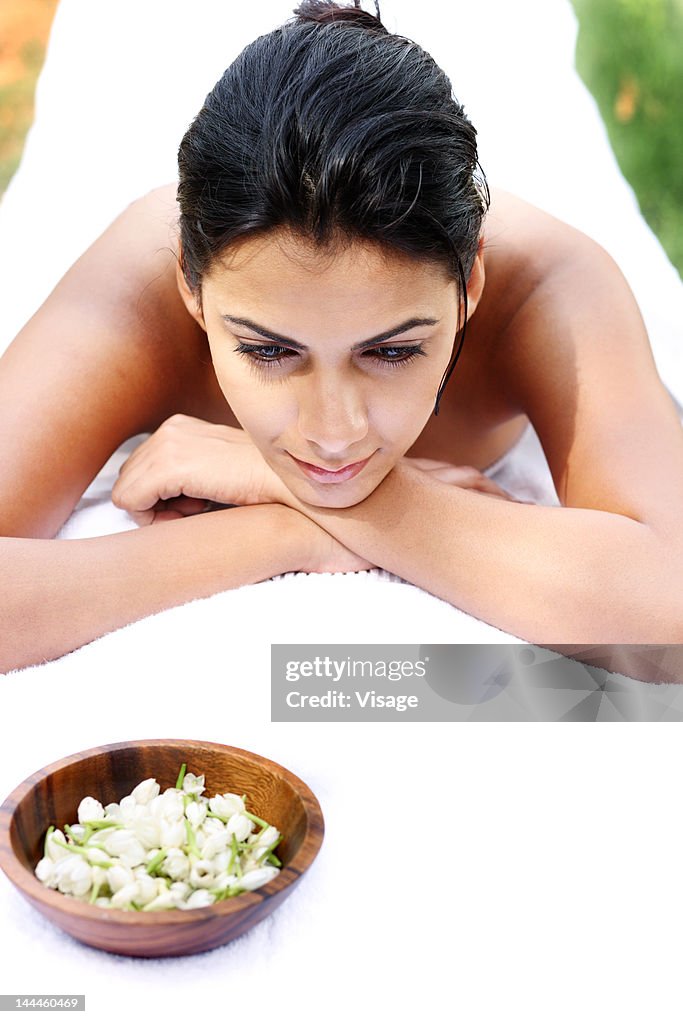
630, 55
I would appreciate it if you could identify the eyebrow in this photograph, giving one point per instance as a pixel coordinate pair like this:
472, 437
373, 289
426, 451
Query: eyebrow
407, 325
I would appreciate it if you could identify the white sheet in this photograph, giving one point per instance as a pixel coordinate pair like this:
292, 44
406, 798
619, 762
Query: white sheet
460, 914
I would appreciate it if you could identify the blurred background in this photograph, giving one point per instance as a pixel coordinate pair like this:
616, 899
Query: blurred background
629, 53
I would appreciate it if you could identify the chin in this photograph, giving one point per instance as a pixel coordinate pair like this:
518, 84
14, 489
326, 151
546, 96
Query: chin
334, 495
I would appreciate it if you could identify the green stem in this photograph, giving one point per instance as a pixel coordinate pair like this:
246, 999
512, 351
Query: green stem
47, 836
192, 839
257, 821
156, 861
181, 776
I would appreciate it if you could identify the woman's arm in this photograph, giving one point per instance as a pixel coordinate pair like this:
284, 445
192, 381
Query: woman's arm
547, 575
60, 594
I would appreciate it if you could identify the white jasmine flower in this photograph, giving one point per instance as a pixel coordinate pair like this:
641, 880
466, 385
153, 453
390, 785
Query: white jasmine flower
255, 879
221, 862
165, 900
54, 846
211, 825
96, 856
226, 805
147, 830
146, 791
193, 784
112, 812
201, 875
180, 890
196, 813
73, 875
119, 876
46, 872
77, 832
171, 805
127, 809
172, 833
217, 842
176, 865
124, 844
267, 837
200, 898
90, 809
226, 881
240, 826
147, 887
128, 894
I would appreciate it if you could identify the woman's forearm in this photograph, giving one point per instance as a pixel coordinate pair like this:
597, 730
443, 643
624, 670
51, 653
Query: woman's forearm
56, 595
543, 574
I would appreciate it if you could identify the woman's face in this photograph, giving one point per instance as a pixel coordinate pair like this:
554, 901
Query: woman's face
330, 361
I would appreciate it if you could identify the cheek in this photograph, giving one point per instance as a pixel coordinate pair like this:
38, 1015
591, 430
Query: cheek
264, 411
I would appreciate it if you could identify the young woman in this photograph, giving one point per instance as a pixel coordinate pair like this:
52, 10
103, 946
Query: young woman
286, 338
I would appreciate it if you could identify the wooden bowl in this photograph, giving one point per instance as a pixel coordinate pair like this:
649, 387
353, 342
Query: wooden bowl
51, 797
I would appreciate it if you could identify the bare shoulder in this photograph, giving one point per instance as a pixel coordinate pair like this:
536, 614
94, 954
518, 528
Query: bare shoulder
573, 355
109, 354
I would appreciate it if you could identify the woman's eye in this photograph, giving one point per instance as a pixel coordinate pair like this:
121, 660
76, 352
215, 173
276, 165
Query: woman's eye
264, 353
395, 355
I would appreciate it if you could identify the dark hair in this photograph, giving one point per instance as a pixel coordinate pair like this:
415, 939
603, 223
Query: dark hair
334, 128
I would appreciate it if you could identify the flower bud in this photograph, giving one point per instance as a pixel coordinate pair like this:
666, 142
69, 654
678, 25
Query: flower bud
265, 838
240, 826
217, 842
172, 833
193, 784
176, 865
112, 812
90, 809
129, 894
195, 814
53, 849
118, 877
165, 900
147, 888
74, 876
201, 875
146, 791
226, 805
261, 876
200, 898
123, 843
95, 855
45, 872
171, 805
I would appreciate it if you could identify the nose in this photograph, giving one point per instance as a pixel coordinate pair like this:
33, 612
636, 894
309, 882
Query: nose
333, 416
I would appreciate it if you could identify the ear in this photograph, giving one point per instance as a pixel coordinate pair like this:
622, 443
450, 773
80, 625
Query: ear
477, 279
190, 298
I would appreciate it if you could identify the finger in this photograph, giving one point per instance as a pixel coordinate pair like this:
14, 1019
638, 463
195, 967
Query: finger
166, 515
187, 506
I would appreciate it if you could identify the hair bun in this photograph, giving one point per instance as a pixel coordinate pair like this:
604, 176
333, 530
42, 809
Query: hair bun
323, 12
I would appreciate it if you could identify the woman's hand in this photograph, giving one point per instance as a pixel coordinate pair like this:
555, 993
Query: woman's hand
186, 464
460, 476
323, 553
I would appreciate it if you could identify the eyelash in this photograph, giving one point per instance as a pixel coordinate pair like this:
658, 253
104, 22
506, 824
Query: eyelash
251, 352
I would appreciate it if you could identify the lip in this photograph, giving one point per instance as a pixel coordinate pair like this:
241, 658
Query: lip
331, 476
